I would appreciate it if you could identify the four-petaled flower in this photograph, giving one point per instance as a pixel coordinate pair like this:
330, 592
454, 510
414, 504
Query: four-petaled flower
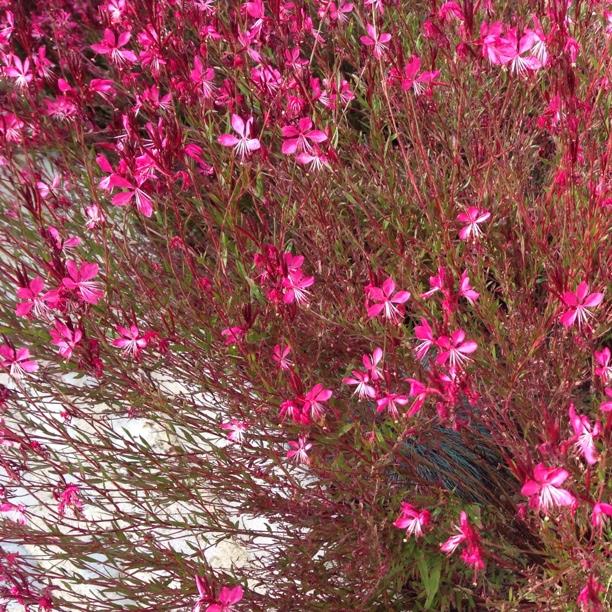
420, 392
544, 490
413, 520
294, 287
455, 348
386, 300
244, 145
467, 535
466, 290
370, 363
313, 401
20, 71
600, 513
520, 63
472, 218
34, 300
390, 403
280, 355
361, 381
17, 361
298, 452
298, 138
411, 79
584, 433
235, 429
65, 338
228, 596
79, 279
131, 341
143, 201
113, 45
577, 304
14, 512
233, 335
378, 42
424, 334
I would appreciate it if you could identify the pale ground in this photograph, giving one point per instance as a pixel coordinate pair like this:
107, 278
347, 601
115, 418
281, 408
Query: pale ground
224, 555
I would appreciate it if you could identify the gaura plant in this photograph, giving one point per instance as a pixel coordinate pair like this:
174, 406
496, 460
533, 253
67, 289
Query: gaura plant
305, 305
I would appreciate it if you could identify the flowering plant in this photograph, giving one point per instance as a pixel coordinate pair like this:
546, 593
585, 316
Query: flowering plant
305, 305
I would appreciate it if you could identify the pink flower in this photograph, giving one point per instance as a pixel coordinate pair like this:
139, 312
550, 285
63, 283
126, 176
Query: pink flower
467, 535
577, 305
112, 45
420, 392
606, 405
17, 361
377, 5
59, 243
370, 363
390, 403
437, 282
70, 498
294, 287
95, 216
600, 514
204, 78
411, 79
386, 300
313, 401
34, 300
544, 490
205, 594
298, 452
339, 14
572, 49
11, 127
297, 139
455, 349
281, 356
424, 334
292, 409
361, 381
495, 47
131, 340
115, 9
584, 434
233, 335
603, 366
226, 599
236, 429
14, 512
244, 145
540, 41
520, 63
466, 290
144, 204
65, 338
316, 159
411, 519
20, 71
79, 279
379, 43
588, 598
472, 217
